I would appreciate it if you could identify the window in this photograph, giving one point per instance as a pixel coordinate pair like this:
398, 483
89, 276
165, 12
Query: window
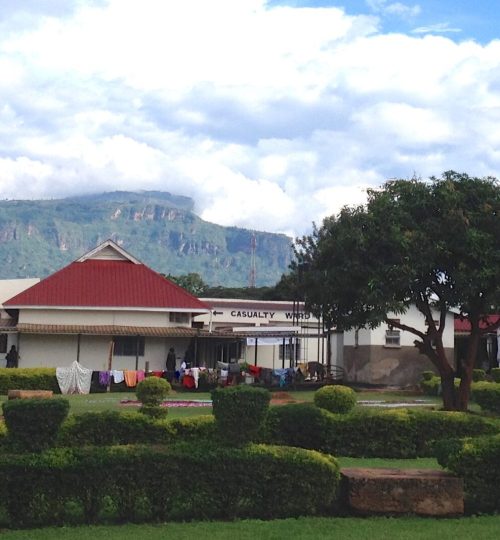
3, 343
392, 338
179, 317
128, 345
292, 351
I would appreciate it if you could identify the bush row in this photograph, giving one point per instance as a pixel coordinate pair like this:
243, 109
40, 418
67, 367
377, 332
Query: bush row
390, 434
487, 395
476, 461
158, 483
370, 433
28, 379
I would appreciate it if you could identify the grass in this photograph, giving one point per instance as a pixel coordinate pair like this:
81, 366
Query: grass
373, 528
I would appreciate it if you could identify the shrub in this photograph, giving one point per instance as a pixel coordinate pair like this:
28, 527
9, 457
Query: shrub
369, 433
28, 379
239, 413
335, 398
431, 386
478, 375
428, 375
114, 427
495, 374
152, 391
298, 424
130, 483
33, 424
431, 426
487, 395
476, 461
194, 428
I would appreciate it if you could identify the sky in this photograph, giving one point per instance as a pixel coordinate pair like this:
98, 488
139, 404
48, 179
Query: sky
271, 114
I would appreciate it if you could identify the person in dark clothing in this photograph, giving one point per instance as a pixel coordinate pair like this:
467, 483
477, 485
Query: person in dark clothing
171, 360
12, 357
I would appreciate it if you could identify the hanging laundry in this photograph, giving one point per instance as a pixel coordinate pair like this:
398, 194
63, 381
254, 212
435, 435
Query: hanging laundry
130, 378
118, 376
104, 378
140, 376
74, 379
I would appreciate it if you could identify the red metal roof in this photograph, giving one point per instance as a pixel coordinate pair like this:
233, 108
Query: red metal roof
106, 283
463, 325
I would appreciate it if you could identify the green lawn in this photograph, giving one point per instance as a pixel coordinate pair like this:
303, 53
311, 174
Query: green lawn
406, 528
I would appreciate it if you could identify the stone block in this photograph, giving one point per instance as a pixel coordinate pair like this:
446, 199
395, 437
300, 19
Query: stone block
402, 491
26, 394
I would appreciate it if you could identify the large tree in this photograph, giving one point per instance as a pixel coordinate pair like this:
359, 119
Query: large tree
433, 244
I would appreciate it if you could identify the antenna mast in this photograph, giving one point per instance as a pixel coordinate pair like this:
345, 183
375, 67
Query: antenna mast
253, 271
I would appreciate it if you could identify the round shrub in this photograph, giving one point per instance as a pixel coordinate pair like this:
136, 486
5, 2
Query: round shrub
152, 391
428, 375
239, 413
478, 375
33, 424
335, 398
495, 374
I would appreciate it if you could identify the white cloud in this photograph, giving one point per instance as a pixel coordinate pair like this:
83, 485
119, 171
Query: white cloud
438, 28
269, 118
394, 8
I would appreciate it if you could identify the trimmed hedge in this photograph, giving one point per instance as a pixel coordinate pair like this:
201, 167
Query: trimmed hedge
478, 375
33, 424
487, 396
239, 413
495, 374
114, 427
335, 398
28, 379
477, 462
391, 433
185, 482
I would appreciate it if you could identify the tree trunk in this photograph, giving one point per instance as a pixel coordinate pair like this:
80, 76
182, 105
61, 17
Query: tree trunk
466, 380
450, 399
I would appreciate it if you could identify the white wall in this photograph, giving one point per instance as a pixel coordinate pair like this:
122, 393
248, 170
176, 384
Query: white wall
98, 317
412, 318
61, 350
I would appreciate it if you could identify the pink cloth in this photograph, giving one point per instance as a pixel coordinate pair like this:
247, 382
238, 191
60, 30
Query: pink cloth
140, 376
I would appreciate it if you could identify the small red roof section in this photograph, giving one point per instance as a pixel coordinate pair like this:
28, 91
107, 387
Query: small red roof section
107, 278
463, 325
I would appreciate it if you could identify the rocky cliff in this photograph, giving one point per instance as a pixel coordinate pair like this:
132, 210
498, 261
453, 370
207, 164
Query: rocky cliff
39, 237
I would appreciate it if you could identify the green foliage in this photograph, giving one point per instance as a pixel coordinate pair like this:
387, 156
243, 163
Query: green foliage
195, 428
33, 424
478, 375
495, 374
335, 398
369, 433
152, 391
114, 427
127, 483
28, 379
487, 396
429, 244
191, 282
239, 412
476, 461
428, 375
432, 426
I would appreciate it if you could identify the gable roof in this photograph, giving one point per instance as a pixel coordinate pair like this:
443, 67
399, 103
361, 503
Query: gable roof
107, 277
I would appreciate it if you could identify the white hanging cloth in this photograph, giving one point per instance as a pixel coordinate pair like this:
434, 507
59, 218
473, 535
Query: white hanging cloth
74, 379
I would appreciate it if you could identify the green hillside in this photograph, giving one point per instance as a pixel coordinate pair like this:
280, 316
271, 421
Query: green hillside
39, 237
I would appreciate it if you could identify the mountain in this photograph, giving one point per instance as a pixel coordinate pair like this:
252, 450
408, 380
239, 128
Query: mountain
38, 237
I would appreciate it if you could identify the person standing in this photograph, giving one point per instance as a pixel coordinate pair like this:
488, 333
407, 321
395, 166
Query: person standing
170, 364
12, 357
